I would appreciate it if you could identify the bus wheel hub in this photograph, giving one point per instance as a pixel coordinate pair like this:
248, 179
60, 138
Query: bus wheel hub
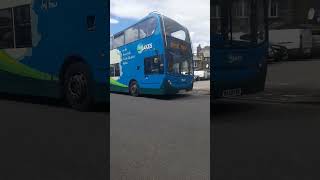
78, 87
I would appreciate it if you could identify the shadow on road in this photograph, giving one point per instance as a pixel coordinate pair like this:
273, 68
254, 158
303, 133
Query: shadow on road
167, 97
51, 102
229, 108
159, 97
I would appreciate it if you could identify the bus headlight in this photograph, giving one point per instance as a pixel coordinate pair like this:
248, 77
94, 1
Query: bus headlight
169, 82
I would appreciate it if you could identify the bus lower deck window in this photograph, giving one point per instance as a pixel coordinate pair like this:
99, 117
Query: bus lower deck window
15, 27
153, 65
91, 23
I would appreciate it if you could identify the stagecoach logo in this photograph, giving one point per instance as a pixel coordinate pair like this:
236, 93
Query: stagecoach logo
141, 47
232, 59
48, 4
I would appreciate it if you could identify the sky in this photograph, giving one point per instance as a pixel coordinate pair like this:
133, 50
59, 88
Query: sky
193, 14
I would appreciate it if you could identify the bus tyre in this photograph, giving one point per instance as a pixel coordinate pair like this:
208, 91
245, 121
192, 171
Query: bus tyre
77, 87
134, 89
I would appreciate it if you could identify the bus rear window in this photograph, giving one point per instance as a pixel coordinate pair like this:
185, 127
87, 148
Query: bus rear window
175, 30
139, 31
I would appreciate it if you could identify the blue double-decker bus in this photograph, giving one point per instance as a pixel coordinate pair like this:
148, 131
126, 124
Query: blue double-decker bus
55, 48
153, 56
239, 44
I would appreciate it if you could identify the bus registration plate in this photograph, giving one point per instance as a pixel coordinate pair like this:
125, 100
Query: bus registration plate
307, 51
231, 92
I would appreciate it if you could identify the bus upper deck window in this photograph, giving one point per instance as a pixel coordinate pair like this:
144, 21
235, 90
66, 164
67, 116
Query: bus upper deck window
118, 40
131, 34
147, 27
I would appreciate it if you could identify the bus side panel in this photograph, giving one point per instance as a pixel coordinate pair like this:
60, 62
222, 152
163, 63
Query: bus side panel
17, 73
249, 77
68, 35
132, 64
58, 31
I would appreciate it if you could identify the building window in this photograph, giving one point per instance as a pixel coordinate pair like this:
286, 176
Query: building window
195, 64
241, 8
216, 12
273, 8
15, 27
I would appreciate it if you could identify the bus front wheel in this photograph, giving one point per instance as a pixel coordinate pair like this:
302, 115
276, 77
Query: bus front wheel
77, 87
134, 89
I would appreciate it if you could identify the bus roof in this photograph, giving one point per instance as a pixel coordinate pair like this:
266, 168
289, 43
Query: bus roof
151, 14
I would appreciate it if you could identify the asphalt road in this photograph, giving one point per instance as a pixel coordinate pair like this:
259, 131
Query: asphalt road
43, 140
271, 135
160, 138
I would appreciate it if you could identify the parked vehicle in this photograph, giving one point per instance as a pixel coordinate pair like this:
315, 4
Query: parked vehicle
277, 53
297, 41
201, 75
240, 62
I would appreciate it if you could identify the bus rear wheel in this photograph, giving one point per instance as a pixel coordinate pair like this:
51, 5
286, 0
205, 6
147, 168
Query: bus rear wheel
134, 89
77, 87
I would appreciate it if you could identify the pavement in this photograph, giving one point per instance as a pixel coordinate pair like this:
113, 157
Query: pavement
270, 135
202, 87
156, 137
291, 82
151, 137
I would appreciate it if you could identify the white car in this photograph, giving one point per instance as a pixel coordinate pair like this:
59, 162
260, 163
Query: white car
298, 42
201, 75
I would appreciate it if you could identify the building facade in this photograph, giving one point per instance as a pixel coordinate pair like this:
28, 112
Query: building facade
282, 14
301, 14
202, 58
